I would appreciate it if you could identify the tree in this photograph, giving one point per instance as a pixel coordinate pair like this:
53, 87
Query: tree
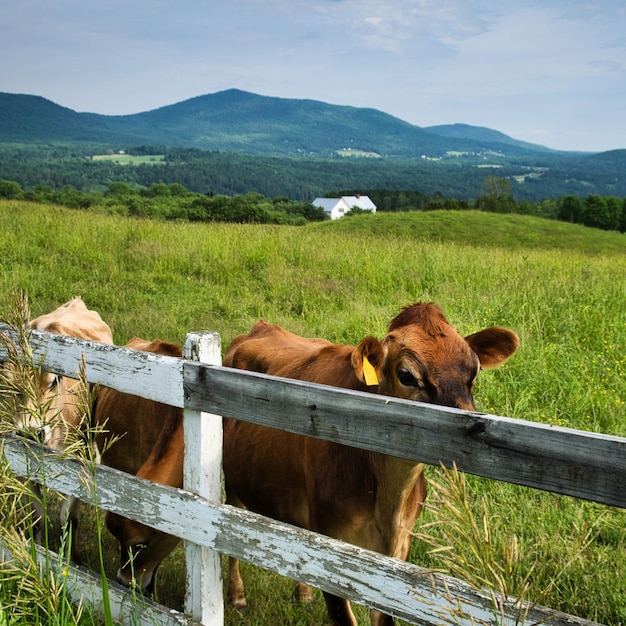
601, 212
570, 209
10, 190
158, 190
614, 213
176, 189
496, 196
119, 189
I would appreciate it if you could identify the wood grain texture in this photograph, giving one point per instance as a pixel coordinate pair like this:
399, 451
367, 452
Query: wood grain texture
409, 592
577, 463
202, 475
141, 373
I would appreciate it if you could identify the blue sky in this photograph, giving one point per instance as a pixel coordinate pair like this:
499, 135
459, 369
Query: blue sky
550, 72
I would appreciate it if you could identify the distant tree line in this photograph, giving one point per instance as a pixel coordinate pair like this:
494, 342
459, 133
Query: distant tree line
174, 202
604, 212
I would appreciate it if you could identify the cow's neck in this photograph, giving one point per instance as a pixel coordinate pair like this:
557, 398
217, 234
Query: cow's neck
395, 477
400, 493
166, 468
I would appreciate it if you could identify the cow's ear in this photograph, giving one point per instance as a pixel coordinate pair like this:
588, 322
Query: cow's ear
368, 359
493, 345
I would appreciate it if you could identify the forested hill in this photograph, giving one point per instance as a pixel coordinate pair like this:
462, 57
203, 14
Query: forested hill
483, 135
239, 121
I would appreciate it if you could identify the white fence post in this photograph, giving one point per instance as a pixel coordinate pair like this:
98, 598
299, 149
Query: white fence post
202, 475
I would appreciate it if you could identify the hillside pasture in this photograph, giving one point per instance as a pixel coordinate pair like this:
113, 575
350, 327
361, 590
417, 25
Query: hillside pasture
562, 288
130, 159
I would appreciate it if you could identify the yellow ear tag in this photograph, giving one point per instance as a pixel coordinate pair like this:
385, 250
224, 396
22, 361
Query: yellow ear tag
369, 373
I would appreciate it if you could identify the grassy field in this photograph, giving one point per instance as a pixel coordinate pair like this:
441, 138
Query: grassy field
130, 159
562, 288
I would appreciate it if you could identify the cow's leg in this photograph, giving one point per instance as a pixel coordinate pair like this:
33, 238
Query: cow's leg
380, 619
303, 593
339, 611
236, 592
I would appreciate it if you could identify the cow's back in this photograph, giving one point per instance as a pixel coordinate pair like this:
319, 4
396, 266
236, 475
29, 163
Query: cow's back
270, 349
75, 320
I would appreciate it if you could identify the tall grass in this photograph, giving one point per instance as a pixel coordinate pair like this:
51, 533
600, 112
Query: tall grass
34, 587
562, 288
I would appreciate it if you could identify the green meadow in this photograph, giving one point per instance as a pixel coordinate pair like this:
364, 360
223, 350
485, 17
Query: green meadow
561, 287
129, 159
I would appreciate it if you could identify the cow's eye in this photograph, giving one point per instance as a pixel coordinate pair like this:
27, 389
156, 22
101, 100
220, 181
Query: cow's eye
407, 379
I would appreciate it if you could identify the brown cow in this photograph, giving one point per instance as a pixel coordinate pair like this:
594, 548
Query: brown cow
149, 433
143, 548
369, 499
365, 498
133, 422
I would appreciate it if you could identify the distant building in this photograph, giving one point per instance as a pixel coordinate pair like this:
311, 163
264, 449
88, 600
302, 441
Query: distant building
338, 207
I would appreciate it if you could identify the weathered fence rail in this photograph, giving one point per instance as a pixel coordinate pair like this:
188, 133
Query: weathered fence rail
575, 463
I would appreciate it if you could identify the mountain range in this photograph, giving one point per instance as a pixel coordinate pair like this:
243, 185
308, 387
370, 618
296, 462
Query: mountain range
239, 121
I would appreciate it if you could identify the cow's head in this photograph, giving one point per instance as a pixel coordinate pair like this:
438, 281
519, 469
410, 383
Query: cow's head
141, 551
50, 407
424, 358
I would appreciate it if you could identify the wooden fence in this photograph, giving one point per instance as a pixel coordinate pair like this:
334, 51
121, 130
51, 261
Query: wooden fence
565, 461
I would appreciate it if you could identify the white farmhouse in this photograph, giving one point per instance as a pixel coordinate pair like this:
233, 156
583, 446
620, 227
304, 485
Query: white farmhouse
338, 207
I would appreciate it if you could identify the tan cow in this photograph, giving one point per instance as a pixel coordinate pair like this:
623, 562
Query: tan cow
58, 394
365, 498
52, 408
368, 499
